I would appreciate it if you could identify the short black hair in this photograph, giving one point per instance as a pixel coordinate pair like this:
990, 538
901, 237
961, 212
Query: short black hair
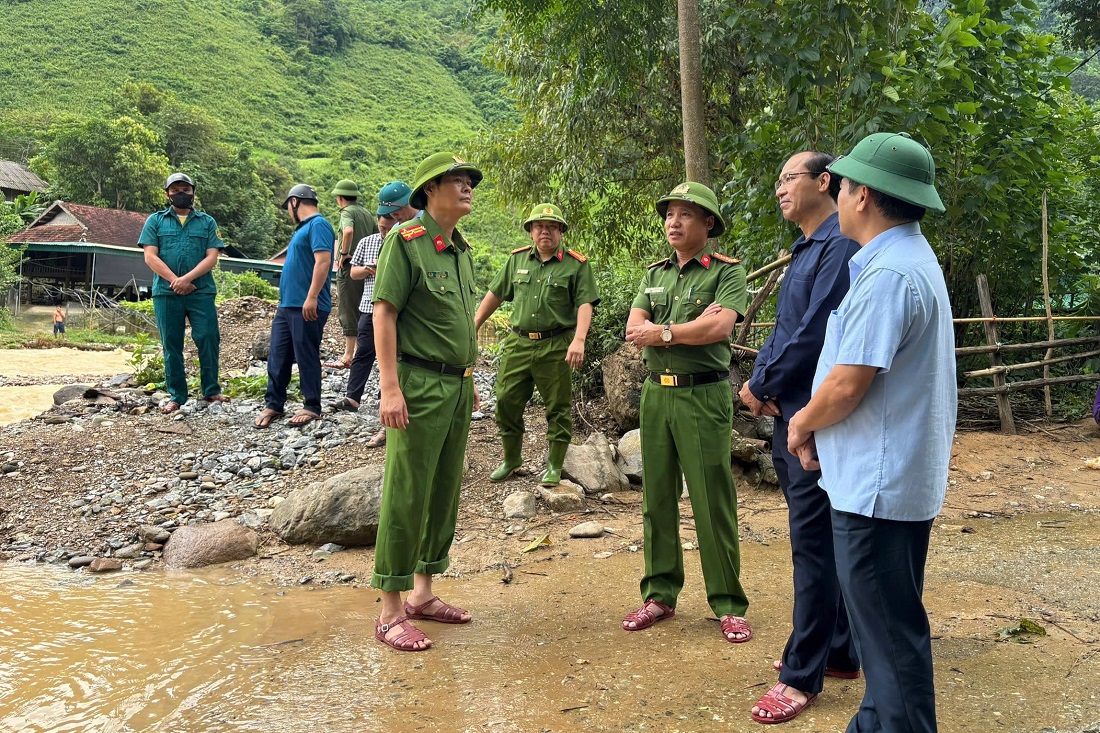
893, 209
818, 163
349, 199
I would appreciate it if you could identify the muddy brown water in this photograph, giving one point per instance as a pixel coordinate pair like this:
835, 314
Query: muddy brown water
19, 403
210, 651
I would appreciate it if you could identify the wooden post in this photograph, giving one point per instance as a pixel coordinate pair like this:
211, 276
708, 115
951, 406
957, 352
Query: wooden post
1050, 317
755, 306
1004, 407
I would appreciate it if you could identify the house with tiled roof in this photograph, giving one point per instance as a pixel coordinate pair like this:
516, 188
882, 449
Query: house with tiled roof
16, 179
87, 247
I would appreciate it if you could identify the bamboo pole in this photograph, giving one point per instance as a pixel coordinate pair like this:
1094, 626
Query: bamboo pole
1002, 391
1002, 348
1004, 407
768, 268
1029, 365
1046, 303
1024, 319
757, 302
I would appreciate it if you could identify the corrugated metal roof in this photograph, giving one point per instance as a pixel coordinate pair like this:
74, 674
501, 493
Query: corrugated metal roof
18, 177
75, 247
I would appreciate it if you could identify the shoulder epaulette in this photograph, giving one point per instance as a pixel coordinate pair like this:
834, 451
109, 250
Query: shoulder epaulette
410, 233
517, 250
725, 258
577, 255
658, 263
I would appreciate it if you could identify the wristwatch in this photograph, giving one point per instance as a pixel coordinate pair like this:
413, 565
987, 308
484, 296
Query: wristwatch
666, 335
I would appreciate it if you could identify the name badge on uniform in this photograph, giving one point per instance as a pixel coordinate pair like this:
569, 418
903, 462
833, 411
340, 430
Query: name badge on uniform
649, 291
522, 272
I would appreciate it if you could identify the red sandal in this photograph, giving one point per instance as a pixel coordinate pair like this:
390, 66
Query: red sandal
403, 642
644, 617
735, 625
445, 614
780, 707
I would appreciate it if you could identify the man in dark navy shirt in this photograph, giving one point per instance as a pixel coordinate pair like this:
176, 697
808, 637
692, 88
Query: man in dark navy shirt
820, 644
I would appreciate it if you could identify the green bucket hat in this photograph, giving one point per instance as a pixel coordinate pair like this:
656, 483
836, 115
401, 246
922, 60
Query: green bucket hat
699, 195
433, 167
545, 212
346, 188
895, 164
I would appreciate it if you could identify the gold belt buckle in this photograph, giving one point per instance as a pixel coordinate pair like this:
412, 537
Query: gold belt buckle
469, 371
668, 380
534, 335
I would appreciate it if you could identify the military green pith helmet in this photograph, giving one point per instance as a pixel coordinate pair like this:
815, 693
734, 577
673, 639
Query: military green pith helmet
699, 195
895, 164
545, 212
435, 166
346, 188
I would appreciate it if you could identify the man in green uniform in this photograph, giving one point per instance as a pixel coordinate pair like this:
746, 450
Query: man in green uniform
682, 318
181, 247
554, 294
424, 301
355, 223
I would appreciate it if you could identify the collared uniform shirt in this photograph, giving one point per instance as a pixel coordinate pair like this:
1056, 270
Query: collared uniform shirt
361, 222
312, 235
546, 294
672, 294
366, 255
889, 458
815, 283
182, 246
431, 284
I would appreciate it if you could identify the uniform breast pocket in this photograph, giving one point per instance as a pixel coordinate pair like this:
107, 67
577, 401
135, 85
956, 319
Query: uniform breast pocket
696, 301
444, 296
558, 292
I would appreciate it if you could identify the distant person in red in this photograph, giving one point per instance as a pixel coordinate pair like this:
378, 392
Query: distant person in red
59, 325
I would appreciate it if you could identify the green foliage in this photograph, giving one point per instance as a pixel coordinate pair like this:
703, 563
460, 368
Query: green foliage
617, 281
323, 27
241, 387
10, 257
146, 361
1082, 22
239, 285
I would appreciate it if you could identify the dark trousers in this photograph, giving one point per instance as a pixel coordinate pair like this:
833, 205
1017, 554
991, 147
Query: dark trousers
294, 339
880, 564
364, 358
820, 636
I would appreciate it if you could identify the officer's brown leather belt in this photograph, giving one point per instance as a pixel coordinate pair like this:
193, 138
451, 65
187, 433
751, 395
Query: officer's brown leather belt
436, 366
539, 335
686, 380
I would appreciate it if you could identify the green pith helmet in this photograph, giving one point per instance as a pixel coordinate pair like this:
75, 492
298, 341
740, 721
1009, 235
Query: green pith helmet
895, 164
302, 192
392, 197
545, 212
346, 188
699, 195
178, 178
433, 167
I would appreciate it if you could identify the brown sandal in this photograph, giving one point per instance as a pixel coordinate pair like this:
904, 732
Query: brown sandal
170, 407
445, 614
266, 418
644, 617
405, 641
216, 398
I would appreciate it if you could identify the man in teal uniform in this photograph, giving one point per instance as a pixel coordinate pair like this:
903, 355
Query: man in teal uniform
354, 225
424, 301
181, 248
554, 294
682, 318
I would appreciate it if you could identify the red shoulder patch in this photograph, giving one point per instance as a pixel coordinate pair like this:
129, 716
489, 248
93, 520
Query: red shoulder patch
517, 250
440, 245
577, 255
726, 258
411, 233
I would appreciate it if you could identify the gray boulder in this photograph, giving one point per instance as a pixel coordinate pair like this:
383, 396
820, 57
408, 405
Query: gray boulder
261, 345
593, 466
623, 375
199, 545
630, 455
69, 392
343, 509
562, 498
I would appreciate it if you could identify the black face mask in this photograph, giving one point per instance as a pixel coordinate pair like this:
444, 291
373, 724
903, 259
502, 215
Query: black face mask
182, 200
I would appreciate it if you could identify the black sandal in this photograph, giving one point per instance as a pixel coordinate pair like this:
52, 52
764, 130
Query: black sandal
345, 404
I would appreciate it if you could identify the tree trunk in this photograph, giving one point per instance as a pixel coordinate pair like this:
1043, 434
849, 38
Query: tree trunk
691, 92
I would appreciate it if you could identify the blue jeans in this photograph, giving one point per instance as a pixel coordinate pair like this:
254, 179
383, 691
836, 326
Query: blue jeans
295, 340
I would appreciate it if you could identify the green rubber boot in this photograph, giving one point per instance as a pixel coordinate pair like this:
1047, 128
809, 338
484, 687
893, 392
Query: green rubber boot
554, 461
513, 457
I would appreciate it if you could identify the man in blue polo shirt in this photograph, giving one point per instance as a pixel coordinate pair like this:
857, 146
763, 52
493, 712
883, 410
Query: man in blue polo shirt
304, 303
881, 422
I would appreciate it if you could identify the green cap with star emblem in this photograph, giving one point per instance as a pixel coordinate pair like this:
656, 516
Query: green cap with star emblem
699, 195
435, 166
545, 212
895, 164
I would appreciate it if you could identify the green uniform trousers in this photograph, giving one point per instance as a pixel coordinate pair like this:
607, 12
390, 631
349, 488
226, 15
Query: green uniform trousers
526, 364
420, 491
687, 429
172, 312
350, 292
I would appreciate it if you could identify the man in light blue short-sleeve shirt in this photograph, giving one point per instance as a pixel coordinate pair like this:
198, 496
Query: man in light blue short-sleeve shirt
881, 421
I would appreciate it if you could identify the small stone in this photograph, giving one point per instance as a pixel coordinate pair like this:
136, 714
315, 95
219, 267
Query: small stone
219, 516
330, 547
587, 530
9, 468
104, 565
188, 476
689, 545
154, 534
130, 552
603, 555
80, 561
346, 578
305, 580
143, 564
519, 505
